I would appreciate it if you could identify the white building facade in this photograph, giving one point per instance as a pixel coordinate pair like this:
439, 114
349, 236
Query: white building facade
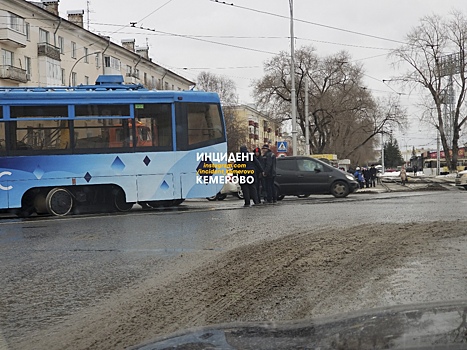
39, 48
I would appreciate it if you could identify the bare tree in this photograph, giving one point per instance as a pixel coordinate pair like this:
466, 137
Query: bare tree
344, 116
224, 87
236, 129
435, 53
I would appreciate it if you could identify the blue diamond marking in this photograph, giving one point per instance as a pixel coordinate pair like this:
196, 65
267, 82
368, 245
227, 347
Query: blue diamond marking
38, 172
118, 164
87, 177
164, 186
146, 160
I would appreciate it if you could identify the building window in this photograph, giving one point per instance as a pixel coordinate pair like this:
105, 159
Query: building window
73, 79
53, 70
98, 61
166, 86
61, 44
86, 80
73, 49
112, 62
63, 77
44, 36
128, 71
27, 63
86, 60
28, 32
7, 57
16, 23
145, 79
137, 73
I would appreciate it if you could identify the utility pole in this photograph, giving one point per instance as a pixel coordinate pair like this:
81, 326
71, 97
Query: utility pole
307, 121
438, 163
292, 78
88, 11
382, 151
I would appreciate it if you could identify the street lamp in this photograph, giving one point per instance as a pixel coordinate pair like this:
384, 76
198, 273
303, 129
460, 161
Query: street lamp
73, 67
292, 77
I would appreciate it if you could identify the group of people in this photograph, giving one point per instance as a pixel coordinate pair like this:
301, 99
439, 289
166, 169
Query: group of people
366, 176
264, 173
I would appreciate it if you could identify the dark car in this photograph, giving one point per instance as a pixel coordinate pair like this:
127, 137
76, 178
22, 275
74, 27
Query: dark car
302, 176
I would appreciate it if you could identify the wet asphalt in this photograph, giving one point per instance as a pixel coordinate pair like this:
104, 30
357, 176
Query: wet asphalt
52, 267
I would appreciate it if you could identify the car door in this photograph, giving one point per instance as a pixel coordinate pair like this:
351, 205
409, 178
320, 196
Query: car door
286, 174
313, 176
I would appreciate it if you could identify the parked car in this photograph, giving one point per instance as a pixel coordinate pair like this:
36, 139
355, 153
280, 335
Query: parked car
461, 179
302, 176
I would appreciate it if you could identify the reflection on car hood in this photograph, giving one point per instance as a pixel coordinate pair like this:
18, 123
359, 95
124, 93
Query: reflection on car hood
425, 326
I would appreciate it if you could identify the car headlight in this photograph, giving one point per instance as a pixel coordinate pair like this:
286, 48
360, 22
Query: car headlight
350, 177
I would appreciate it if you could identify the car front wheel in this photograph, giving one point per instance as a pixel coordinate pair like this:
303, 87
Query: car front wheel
340, 189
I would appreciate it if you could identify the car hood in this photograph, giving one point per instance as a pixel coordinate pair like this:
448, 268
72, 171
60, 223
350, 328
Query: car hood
421, 326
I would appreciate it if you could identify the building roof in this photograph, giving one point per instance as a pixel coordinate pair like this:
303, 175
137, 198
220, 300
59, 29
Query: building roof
39, 6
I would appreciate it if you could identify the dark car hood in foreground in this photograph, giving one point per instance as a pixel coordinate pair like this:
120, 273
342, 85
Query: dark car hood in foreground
425, 326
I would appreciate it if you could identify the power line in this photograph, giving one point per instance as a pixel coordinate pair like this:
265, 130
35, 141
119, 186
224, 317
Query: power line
259, 37
204, 40
157, 9
308, 22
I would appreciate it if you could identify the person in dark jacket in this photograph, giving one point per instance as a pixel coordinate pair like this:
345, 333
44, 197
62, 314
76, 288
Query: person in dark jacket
248, 189
366, 176
269, 173
259, 180
373, 175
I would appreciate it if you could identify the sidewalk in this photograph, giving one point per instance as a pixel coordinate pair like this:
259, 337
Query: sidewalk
414, 183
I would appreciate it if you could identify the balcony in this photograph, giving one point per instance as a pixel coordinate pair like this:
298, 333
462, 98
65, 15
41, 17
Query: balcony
12, 38
13, 73
44, 49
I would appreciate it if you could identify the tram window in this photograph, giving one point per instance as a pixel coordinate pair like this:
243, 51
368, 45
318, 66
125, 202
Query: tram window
46, 136
154, 125
204, 123
2, 138
102, 110
102, 135
42, 112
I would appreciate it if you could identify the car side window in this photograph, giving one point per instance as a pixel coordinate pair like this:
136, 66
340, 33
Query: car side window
309, 165
286, 164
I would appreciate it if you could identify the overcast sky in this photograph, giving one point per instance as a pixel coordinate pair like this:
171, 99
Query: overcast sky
235, 41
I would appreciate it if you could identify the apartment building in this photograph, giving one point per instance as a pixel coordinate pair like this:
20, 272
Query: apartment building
261, 128
39, 48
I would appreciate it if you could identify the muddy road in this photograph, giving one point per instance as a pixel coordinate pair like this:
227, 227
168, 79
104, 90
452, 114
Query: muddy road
113, 282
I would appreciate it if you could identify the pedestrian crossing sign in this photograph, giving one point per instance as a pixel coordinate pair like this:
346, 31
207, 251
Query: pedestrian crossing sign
282, 146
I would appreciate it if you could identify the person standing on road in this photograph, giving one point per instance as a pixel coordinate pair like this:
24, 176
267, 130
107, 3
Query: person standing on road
403, 175
359, 176
373, 175
367, 176
245, 168
260, 186
269, 174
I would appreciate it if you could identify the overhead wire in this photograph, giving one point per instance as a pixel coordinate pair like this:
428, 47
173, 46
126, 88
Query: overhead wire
308, 22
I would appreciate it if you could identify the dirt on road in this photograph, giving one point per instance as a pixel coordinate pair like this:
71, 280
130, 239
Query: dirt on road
302, 275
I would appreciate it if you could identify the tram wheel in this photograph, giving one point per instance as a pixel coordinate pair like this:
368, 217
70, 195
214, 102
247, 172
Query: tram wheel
120, 202
59, 201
